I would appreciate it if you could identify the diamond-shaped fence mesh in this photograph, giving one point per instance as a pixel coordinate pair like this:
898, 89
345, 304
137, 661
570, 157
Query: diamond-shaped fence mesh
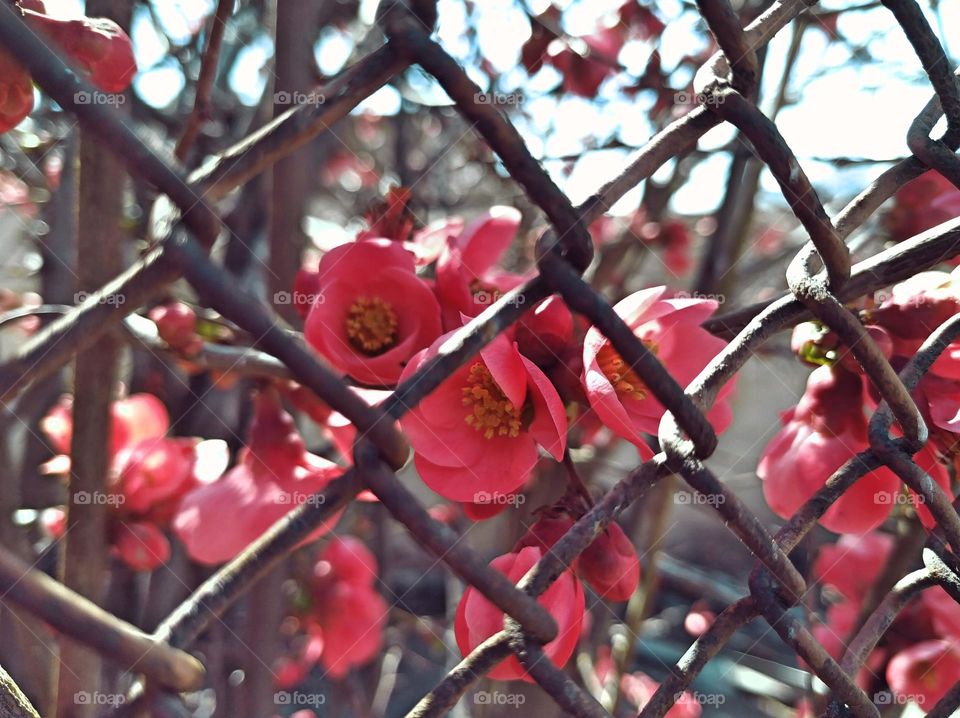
820, 277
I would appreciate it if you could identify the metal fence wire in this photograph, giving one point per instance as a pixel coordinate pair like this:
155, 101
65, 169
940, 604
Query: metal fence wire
820, 277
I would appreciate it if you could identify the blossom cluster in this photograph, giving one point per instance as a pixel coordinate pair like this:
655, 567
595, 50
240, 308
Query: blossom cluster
918, 659
378, 309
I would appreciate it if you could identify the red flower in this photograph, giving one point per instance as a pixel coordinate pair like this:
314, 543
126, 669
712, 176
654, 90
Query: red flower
141, 545
544, 333
826, 429
347, 610
16, 92
924, 672
466, 279
98, 46
670, 328
149, 474
585, 62
638, 688
945, 612
477, 619
853, 563
372, 312
927, 201
153, 471
476, 435
177, 326
610, 565
138, 417
273, 474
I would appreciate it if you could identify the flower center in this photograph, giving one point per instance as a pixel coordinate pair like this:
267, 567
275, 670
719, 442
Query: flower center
623, 378
372, 325
491, 412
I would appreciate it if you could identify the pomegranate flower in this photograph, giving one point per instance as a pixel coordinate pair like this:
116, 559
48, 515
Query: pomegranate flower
477, 619
372, 313
670, 328
475, 438
273, 474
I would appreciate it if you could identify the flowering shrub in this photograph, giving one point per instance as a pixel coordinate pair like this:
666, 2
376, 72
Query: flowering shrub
463, 361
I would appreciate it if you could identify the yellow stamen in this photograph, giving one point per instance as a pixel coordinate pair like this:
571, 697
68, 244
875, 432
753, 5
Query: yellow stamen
623, 378
372, 325
491, 412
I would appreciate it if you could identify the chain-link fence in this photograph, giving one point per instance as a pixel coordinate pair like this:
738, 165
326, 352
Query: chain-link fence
821, 279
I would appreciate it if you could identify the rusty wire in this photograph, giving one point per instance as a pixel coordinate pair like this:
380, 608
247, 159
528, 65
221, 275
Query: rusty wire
185, 225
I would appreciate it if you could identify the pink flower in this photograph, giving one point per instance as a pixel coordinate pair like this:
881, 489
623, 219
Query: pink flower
154, 470
149, 474
477, 619
638, 688
372, 312
944, 610
545, 332
610, 565
853, 563
177, 326
347, 610
927, 201
826, 429
141, 545
670, 328
925, 671
467, 281
477, 433
138, 417
585, 62
273, 474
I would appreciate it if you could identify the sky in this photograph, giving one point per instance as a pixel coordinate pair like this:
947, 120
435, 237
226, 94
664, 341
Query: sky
860, 111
